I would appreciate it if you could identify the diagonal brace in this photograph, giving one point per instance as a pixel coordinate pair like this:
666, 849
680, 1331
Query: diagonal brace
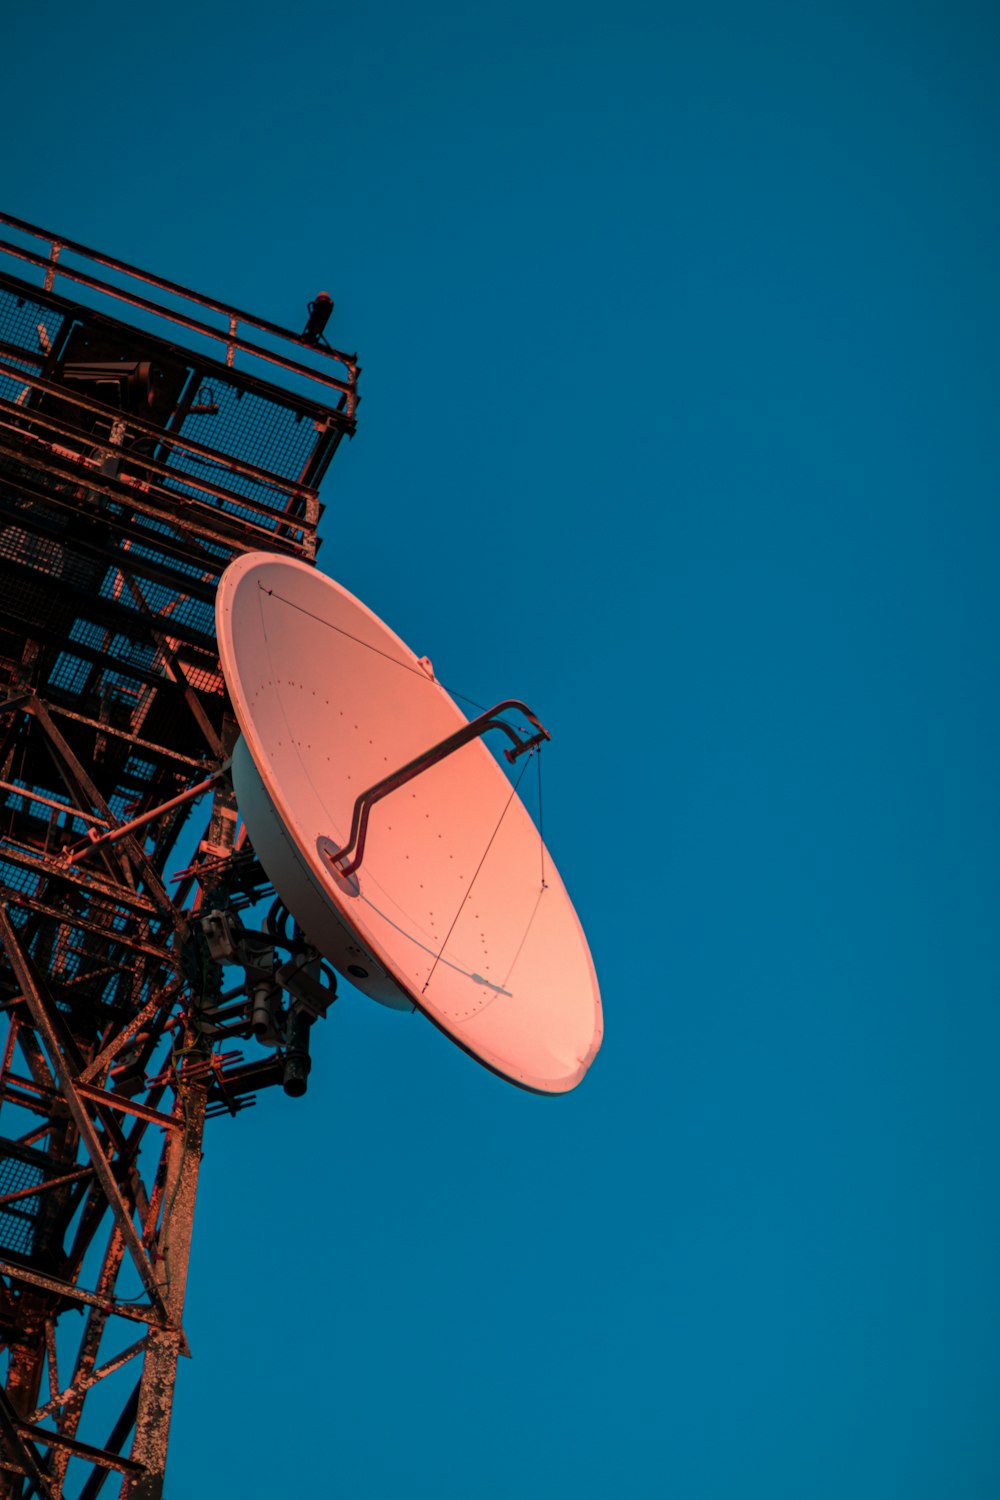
27, 979
22, 1450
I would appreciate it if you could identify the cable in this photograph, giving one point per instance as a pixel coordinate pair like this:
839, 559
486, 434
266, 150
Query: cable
417, 671
541, 832
451, 929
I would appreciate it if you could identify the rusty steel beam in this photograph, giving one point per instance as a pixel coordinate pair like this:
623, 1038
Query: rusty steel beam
152, 1423
82, 1383
42, 1017
121, 830
79, 778
75, 1449
21, 1454
124, 734
107, 989
106, 1057
214, 525
176, 671
45, 1187
115, 1442
68, 1290
105, 1098
168, 439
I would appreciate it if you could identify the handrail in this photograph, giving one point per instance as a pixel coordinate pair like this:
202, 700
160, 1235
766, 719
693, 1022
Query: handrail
60, 242
348, 389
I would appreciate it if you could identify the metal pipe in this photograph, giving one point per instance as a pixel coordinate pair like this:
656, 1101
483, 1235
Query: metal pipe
475, 728
73, 856
23, 791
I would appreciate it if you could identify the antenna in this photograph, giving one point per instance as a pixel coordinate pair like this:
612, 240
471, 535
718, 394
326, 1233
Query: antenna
158, 475
392, 834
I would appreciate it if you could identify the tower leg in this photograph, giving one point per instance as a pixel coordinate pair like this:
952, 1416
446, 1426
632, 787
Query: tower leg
156, 1392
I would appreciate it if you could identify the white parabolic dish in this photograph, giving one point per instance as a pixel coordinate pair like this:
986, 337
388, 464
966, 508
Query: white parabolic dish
456, 909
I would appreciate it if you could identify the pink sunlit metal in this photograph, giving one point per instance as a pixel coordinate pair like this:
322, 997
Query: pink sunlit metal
458, 911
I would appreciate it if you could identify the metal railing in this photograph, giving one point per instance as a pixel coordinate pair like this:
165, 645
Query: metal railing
50, 262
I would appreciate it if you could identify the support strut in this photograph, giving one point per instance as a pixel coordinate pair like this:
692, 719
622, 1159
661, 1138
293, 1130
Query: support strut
342, 861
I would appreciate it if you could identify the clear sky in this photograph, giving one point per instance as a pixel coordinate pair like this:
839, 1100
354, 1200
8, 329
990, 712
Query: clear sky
680, 332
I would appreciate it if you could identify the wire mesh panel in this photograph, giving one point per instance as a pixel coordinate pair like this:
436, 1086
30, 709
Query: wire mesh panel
28, 332
266, 433
18, 1215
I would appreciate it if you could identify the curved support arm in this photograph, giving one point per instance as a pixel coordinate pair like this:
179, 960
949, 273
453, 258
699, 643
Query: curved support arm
342, 861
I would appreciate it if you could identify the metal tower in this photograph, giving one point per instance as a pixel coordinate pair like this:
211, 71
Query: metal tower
147, 436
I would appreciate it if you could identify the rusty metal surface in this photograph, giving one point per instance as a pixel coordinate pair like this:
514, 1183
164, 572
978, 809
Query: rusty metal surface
117, 518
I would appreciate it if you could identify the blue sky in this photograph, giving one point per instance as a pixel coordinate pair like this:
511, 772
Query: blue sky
679, 330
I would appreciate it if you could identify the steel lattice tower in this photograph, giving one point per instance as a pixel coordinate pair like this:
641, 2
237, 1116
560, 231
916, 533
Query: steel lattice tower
139, 453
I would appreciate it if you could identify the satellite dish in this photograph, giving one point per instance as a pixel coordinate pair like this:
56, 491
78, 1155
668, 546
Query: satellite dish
434, 892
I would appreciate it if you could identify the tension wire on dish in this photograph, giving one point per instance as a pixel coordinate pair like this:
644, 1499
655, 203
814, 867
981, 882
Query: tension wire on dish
468, 893
541, 829
417, 672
